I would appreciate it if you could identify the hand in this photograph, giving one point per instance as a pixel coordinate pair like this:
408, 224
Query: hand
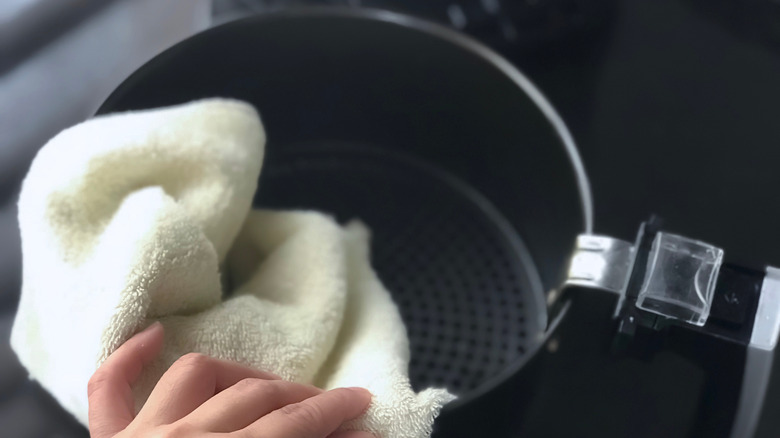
204, 397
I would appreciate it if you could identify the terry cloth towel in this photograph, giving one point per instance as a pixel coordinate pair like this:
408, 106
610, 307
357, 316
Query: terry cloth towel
138, 217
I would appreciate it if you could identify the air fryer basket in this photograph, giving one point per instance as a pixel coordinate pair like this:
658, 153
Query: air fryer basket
456, 269
445, 151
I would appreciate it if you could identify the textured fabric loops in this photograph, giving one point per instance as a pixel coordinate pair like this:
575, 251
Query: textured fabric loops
142, 216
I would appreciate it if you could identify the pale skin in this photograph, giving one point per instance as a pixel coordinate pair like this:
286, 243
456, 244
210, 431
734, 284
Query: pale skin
202, 397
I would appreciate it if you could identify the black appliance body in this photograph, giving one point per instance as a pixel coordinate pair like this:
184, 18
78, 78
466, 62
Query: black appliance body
412, 126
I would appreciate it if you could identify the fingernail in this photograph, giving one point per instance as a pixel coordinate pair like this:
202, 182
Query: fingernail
362, 391
152, 328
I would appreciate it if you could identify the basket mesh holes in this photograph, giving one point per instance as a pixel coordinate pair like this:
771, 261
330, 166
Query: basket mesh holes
448, 265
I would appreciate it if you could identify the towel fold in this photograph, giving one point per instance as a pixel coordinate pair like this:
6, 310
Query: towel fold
142, 216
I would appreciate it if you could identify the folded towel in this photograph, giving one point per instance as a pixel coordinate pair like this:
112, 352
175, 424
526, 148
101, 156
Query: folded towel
138, 217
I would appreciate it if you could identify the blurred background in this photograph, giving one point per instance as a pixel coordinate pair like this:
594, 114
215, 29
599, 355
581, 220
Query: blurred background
675, 105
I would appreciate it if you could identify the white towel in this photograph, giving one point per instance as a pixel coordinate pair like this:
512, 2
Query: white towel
141, 216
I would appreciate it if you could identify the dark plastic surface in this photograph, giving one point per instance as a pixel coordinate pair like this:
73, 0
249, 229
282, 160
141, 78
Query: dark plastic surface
736, 298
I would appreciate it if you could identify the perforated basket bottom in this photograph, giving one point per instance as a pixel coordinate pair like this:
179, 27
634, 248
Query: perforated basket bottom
452, 265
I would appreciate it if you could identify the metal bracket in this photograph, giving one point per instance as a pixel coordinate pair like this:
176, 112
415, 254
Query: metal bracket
601, 262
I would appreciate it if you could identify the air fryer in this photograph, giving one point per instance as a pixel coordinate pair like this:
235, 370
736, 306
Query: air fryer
481, 216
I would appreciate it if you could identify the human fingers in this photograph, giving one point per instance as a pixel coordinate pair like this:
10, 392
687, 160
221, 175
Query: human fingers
315, 417
246, 401
189, 382
109, 390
